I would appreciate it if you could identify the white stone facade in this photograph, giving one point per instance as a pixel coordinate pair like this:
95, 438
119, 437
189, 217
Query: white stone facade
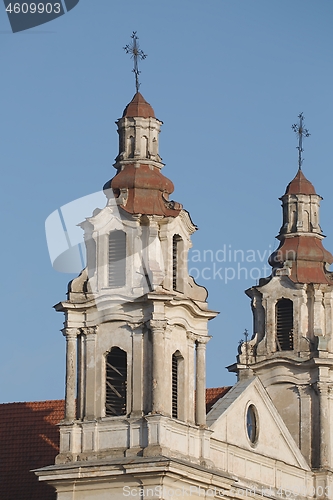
268, 437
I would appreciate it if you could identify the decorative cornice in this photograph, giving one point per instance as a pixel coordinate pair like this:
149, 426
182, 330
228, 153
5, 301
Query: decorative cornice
186, 219
191, 336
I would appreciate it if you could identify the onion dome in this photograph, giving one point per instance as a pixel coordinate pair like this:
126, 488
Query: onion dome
300, 185
138, 107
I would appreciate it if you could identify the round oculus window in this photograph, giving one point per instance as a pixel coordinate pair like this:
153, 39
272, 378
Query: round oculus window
252, 423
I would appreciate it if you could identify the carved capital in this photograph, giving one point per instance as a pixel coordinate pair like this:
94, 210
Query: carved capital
202, 341
323, 388
136, 328
304, 391
89, 330
158, 324
191, 336
70, 333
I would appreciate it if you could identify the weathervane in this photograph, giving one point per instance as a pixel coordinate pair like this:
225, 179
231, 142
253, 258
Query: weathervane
301, 132
136, 54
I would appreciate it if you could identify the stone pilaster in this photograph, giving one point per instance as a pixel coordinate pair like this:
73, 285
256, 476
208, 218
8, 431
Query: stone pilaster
137, 372
305, 419
190, 416
158, 329
318, 312
70, 394
324, 422
90, 381
200, 407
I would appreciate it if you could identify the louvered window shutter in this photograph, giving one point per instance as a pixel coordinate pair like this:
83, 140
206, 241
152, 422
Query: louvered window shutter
117, 259
284, 325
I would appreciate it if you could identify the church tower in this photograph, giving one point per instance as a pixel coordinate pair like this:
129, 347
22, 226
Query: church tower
291, 350
135, 321
136, 331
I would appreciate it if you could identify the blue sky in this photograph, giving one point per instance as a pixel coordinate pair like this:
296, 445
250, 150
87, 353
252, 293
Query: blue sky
227, 78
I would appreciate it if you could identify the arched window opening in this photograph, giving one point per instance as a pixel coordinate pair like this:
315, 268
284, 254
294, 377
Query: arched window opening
176, 246
284, 325
177, 386
116, 382
175, 360
117, 259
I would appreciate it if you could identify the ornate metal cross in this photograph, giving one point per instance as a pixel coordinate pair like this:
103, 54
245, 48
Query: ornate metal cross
301, 132
136, 54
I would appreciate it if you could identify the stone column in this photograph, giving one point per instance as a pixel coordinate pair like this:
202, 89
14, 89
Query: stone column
324, 422
269, 306
318, 312
328, 320
157, 329
137, 370
200, 407
70, 395
81, 363
90, 379
305, 420
190, 378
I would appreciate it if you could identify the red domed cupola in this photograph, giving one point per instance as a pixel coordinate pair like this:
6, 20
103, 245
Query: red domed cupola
139, 107
301, 251
139, 185
300, 185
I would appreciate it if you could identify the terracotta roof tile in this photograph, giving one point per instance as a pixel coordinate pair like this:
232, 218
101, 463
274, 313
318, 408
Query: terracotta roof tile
214, 394
300, 185
29, 439
139, 107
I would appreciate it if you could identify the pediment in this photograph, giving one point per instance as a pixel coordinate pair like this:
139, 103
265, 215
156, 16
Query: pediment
227, 420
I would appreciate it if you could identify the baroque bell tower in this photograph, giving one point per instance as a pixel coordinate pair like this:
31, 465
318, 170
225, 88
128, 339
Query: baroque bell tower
291, 349
135, 323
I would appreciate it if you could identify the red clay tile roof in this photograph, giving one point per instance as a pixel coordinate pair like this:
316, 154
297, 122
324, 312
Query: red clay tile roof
148, 191
29, 439
214, 394
308, 257
300, 185
139, 107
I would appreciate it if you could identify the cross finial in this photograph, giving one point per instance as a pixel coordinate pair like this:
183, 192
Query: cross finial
301, 132
136, 54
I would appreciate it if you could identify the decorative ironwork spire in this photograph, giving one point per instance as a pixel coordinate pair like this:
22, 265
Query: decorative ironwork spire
301, 132
136, 54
